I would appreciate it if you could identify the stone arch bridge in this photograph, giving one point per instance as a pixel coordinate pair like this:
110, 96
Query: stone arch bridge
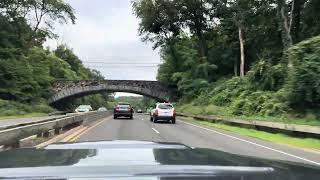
62, 90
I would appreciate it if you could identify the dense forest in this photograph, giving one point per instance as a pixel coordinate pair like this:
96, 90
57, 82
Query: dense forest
238, 57
27, 69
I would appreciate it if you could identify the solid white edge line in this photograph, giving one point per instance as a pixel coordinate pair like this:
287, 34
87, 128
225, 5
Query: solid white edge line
259, 145
155, 130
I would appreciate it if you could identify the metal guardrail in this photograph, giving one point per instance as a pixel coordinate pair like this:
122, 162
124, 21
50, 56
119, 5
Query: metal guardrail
12, 135
292, 129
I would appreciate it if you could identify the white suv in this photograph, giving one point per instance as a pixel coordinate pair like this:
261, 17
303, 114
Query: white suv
163, 111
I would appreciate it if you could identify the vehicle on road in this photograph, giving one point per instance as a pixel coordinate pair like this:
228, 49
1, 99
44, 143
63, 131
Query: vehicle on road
163, 111
143, 160
139, 111
102, 109
123, 110
83, 108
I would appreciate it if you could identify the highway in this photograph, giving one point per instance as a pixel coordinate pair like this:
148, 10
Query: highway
140, 128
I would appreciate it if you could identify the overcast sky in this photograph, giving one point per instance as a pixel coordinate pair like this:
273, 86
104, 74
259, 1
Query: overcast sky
105, 34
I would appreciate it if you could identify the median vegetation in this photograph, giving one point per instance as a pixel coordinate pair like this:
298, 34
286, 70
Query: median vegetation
251, 59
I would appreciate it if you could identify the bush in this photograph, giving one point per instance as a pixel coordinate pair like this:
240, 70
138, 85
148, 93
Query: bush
225, 90
304, 73
202, 99
10, 108
262, 103
190, 108
237, 97
264, 75
216, 110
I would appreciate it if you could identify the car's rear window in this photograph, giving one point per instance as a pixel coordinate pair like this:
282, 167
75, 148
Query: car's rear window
123, 106
165, 106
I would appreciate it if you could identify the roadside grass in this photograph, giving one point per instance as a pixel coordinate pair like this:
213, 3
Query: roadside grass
224, 112
308, 143
23, 116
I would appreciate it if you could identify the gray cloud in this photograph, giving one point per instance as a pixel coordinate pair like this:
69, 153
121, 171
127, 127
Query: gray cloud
106, 31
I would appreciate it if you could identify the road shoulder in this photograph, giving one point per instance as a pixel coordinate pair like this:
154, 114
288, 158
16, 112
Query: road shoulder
306, 144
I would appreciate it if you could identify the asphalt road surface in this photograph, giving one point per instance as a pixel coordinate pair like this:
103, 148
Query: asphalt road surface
140, 128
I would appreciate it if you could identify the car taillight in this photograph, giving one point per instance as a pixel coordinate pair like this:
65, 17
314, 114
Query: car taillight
156, 112
174, 112
117, 108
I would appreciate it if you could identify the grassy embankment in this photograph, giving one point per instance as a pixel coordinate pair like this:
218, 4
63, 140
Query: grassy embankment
306, 119
11, 109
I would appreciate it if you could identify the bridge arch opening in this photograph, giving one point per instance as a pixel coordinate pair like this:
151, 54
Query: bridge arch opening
138, 101
63, 91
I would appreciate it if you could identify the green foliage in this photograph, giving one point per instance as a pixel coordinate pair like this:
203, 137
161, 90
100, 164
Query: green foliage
26, 78
260, 103
31, 21
189, 108
95, 100
238, 98
304, 73
26, 69
200, 52
265, 76
10, 108
72, 60
224, 90
192, 88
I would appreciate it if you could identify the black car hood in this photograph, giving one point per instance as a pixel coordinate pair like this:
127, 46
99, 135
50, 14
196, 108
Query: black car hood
135, 158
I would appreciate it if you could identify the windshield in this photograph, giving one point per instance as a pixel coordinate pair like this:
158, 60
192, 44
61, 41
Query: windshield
238, 77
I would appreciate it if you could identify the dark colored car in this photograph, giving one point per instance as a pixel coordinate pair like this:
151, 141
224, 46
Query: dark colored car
143, 160
123, 110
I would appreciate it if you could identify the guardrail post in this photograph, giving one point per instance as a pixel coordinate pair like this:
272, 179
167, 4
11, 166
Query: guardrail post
40, 134
49, 133
58, 131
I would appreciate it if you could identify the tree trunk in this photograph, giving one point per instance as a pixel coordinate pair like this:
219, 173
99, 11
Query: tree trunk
202, 45
235, 67
242, 55
295, 28
285, 26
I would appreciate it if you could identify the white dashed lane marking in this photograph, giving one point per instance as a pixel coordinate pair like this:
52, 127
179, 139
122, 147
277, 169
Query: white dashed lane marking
155, 130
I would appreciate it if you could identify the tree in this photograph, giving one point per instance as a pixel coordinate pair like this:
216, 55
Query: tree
239, 11
46, 12
285, 22
40, 16
159, 20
